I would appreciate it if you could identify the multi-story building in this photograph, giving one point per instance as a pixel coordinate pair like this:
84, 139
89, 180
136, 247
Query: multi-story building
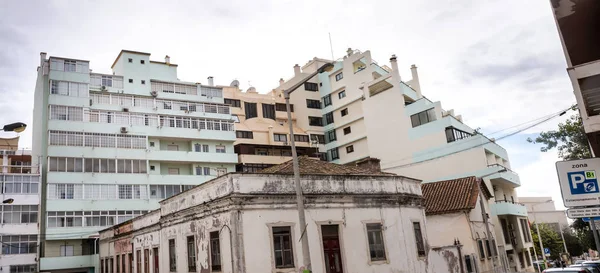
368, 111
110, 146
19, 209
543, 210
578, 28
262, 129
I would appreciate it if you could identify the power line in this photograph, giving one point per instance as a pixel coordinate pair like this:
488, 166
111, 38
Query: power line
530, 121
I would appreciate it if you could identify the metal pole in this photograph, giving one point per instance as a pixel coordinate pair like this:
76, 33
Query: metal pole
562, 236
299, 197
536, 259
593, 224
485, 221
540, 240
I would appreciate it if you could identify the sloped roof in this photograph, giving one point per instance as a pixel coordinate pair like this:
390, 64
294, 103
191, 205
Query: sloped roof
315, 166
452, 196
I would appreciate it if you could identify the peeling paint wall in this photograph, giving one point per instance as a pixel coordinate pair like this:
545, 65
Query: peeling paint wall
444, 260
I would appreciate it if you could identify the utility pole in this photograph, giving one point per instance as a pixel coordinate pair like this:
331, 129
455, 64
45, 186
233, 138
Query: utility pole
593, 225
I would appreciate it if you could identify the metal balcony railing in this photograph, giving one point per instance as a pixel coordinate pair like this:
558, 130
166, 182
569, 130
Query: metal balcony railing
509, 202
153, 103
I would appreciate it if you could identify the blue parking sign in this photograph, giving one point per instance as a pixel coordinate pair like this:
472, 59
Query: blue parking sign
546, 250
583, 182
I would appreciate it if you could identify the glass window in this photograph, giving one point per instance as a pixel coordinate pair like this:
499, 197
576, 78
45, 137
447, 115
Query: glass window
419, 239
349, 149
268, 111
376, 243
191, 254
423, 117
318, 138
138, 261
244, 134
172, 256
220, 149
330, 136
215, 252
327, 100
301, 138
280, 137
233, 103
328, 118
311, 86
339, 76
250, 110
344, 112
281, 107
282, 247
313, 104
481, 249
347, 130
342, 94
333, 154
315, 121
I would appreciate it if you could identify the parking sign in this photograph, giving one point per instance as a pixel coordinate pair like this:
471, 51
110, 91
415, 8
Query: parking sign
578, 182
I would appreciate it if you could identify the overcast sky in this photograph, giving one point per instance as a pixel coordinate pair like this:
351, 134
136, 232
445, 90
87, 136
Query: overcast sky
498, 63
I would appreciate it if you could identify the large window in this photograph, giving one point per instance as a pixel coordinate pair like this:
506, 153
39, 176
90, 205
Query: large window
505, 231
244, 134
59, 112
168, 87
326, 100
72, 89
172, 256
423, 117
330, 136
525, 230
280, 137
328, 118
19, 214
69, 65
313, 104
23, 268
18, 244
268, 111
283, 247
155, 256
96, 165
164, 191
281, 107
191, 254
311, 86
86, 139
19, 184
376, 242
333, 154
315, 121
233, 103
250, 109
453, 134
123, 263
58, 219
215, 252
301, 138
318, 138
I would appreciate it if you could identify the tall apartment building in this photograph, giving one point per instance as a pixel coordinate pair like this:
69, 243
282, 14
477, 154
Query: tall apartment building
578, 28
368, 111
19, 229
110, 146
262, 130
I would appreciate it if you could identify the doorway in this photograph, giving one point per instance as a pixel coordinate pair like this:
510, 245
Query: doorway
331, 248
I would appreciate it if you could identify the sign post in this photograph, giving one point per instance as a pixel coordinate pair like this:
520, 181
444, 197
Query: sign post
546, 252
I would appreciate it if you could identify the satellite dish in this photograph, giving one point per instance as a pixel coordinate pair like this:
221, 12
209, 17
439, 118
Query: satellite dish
251, 90
235, 83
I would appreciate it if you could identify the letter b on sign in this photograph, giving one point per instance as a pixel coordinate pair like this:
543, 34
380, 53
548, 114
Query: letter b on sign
583, 182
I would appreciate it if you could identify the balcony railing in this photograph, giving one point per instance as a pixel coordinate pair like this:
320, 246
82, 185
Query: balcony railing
153, 103
17, 169
509, 202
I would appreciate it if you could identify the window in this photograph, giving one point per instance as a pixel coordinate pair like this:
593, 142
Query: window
328, 118
155, 255
311, 86
130, 80
315, 121
138, 261
18, 244
376, 244
23, 268
152, 168
58, 112
71, 89
118, 267
130, 60
488, 249
233, 103
326, 100
342, 94
172, 256
281, 107
344, 112
313, 104
282, 247
268, 111
481, 249
250, 110
333, 154
221, 171
525, 230
173, 170
20, 184
143, 81
301, 138
419, 239
244, 134
215, 252
280, 137
504, 225
453, 134
220, 149
191, 254
347, 130
19, 214
142, 62
172, 147
205, 148
469, 264
206, 171
197, 147
339, 76
123, 264
102, 266
151, 143
423, 117
318, 138
494, 250
330, 136
70, 66
67, 250
349, 149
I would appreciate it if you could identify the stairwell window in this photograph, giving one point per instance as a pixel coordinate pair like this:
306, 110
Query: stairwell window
339, 76
344, 112
376, 243
347, 130
423, 117
350, 149
342, 94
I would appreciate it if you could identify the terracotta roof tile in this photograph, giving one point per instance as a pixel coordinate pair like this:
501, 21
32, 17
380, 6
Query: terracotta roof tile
451, 196
315, 166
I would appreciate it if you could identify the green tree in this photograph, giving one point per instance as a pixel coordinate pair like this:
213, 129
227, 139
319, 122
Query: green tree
550, 238
573, 243
584, 234
569, 139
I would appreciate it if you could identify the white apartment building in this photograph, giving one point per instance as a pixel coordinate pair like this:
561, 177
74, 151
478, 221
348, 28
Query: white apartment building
19, 228
543, 210
369, 111
578, 29
110, 146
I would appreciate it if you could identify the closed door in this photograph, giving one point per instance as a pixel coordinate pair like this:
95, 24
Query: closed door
331, 249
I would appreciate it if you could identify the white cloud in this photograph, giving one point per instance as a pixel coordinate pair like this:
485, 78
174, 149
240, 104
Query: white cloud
539, 178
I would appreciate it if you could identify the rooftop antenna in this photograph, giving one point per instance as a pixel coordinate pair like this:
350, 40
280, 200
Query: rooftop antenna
331, 46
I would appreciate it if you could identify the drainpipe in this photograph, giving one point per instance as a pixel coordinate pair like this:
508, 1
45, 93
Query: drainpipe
460, 256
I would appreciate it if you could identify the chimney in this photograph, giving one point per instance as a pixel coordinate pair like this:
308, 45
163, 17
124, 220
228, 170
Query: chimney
42, 58
167, 59
415, 80
395, 71
281, 81
296, 70
369, 163
211, 81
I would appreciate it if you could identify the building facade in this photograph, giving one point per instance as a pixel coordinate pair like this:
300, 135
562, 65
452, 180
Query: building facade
110, 146
543, 210
248, 223
262, 130
578, 29
20, 188
369, 111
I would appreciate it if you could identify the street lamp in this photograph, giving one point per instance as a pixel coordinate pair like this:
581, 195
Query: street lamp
299, 199
537, 228
8, 201
484, 213
16, 127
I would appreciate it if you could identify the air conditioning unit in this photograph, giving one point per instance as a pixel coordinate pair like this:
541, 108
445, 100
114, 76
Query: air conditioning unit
154, 94
103, 88
123, 130
125, 109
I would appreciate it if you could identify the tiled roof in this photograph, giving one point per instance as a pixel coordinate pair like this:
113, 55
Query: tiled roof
315, 166
451, 196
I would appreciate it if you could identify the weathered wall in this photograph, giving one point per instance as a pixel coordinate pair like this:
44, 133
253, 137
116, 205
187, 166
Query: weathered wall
444, 260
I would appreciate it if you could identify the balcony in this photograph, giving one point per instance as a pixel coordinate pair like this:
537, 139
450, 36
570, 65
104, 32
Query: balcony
180, 156
508, 177
69, 262
263, 159
502, 207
